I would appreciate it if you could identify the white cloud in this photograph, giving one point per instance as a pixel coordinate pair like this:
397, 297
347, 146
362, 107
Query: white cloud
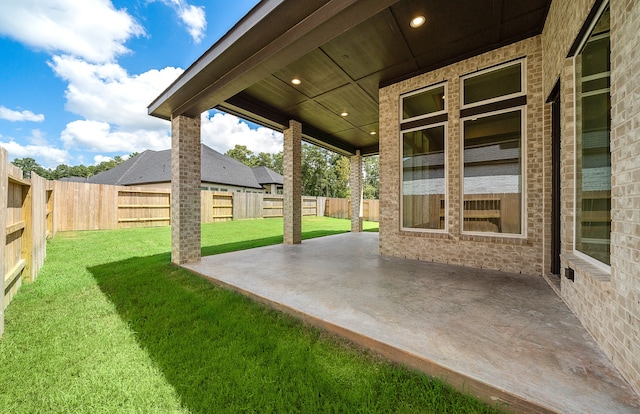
91, 29
107, 93
97, 159
15, 116
46, 155
101, 137
113, 104
192, 16
223, 131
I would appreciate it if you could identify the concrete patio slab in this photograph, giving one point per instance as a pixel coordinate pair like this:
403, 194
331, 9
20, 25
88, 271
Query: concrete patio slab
503, 337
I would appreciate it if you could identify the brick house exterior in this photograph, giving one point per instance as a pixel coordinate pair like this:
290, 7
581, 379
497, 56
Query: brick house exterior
603, 289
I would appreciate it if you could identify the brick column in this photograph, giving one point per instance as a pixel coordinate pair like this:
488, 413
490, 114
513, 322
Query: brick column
185, 189
355, 182
292, 160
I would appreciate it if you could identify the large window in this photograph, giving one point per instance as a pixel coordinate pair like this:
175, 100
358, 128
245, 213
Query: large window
492, 119
493, 173
423, 178
593, 156
423, 129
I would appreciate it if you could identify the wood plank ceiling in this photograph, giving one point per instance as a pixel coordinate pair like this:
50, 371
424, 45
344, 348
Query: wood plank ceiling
343, 75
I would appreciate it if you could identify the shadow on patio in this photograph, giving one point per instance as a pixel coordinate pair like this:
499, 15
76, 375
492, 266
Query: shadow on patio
501, 336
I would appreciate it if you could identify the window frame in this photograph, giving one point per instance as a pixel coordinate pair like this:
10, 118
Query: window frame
523, 173
579, 49
444, 230
419, 91
523, 82
416, 123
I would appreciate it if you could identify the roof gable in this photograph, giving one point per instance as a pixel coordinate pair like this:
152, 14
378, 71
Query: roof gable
266, 175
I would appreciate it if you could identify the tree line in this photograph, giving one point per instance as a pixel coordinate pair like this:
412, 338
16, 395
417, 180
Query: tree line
28, 165
324, 173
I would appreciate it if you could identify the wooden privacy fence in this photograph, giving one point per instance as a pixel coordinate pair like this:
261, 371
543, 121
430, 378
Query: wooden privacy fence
341, 208
83, 206
26, 221
143, 208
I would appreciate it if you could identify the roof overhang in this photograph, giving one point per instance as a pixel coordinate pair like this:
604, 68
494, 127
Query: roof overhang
343, 51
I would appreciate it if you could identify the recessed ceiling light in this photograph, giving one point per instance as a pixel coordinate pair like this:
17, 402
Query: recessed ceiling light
296, 81
417, 21
344, 114
372, 133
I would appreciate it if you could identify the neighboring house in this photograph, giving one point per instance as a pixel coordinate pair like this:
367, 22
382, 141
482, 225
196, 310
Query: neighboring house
218, 172
269, 179
507, 131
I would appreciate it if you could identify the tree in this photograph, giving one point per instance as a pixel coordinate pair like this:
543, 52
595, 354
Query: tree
263, 159
27, 165
324, 173
240, 153
371, 184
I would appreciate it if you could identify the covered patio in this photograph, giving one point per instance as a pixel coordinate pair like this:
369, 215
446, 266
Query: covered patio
507, 338
471, 106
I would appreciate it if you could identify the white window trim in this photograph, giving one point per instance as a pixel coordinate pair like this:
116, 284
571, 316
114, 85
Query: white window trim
597, 263
523, 173
523, 83
446, 181
418, 91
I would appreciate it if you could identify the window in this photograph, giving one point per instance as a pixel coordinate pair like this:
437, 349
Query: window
493, 139
593, 155
423, 185
502, 82
423, 135
423, 103
493, 173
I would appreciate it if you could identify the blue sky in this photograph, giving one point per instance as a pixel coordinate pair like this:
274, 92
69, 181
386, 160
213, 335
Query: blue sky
76, 76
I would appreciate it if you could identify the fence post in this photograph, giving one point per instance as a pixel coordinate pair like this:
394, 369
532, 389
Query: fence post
27, 234
4, 188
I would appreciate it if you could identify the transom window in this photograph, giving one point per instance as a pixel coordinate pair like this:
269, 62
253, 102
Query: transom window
593, 152
423, 161
423, 103
502, 82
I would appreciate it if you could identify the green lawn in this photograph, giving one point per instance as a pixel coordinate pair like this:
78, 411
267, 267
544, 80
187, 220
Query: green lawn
111, 326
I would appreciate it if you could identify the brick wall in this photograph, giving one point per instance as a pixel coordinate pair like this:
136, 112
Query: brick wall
523, 255
606, 302
563, 23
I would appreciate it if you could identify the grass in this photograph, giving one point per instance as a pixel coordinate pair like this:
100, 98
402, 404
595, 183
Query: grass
111, 326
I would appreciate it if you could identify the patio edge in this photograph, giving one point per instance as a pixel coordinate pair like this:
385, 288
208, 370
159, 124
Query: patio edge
490, 395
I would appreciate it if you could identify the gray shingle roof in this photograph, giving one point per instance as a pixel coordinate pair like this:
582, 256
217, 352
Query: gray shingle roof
266, 175
155, 167
74, 179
